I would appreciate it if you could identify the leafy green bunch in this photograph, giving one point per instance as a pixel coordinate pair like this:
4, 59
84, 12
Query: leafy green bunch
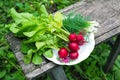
40, 34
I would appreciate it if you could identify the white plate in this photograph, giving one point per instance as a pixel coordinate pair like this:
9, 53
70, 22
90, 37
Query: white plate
84, 52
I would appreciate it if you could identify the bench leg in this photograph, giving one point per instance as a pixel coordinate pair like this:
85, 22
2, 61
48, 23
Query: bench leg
113, 55
111, 42
58, 74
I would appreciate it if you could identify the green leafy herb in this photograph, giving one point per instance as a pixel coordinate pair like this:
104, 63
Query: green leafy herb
75, 23
40, 44
37, 59
27, 58
48, 53
24, 48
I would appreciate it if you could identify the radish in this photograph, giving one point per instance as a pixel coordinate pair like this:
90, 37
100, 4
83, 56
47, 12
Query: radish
73, 46
73, 55
80, 39
72, 37
63, 53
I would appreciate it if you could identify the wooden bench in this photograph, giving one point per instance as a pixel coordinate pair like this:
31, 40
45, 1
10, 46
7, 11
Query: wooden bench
106, 12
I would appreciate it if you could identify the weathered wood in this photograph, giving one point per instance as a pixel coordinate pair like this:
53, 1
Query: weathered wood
113, 55
107, 35
40, 71
106, 12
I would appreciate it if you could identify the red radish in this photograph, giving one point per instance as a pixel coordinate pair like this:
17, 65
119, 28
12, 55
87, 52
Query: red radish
80, 39
73, 55
81, 42
72, 37
63, 53
73, 46
80, 33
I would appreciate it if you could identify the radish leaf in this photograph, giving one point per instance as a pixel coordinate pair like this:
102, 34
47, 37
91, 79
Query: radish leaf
48, 53
37, 59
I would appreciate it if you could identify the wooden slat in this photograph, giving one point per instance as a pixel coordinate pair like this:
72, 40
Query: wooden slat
107, 35
40, 70
106, 12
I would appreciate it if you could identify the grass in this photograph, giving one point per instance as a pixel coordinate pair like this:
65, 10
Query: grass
89, 69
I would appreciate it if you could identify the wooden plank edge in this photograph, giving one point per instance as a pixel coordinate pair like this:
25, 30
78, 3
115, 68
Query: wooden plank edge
40, 71
108, 35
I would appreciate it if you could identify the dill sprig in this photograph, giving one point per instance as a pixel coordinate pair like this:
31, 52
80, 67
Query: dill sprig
75, 23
